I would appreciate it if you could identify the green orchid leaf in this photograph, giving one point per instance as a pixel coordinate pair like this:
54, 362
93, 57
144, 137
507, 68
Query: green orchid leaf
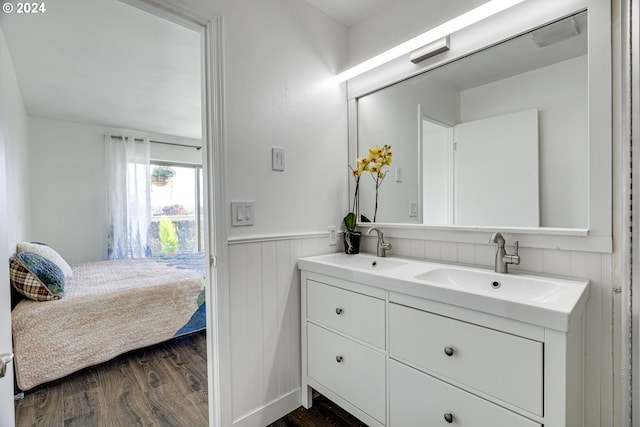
350, 221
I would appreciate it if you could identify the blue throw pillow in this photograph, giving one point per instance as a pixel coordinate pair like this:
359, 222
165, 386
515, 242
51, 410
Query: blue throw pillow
36, 277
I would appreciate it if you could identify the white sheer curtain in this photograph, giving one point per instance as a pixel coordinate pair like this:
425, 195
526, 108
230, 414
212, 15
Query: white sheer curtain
129, 197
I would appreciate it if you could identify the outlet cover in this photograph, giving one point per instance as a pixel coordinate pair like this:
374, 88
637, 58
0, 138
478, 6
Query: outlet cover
413, 209
333, 235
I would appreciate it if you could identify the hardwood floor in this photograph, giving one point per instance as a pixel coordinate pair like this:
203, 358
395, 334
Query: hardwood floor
163, 385
323, 413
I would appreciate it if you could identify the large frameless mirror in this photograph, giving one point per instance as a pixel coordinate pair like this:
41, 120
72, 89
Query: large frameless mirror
497, 138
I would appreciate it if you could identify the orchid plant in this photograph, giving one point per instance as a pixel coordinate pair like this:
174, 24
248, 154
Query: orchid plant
374, 163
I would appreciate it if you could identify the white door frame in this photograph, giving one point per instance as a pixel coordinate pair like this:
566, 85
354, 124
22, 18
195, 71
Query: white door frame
628, 220
630, 307
216, 220
7, 416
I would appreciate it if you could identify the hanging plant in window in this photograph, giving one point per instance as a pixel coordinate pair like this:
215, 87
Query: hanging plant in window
162, 175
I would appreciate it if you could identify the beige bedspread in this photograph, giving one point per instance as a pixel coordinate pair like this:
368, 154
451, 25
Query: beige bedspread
109, 308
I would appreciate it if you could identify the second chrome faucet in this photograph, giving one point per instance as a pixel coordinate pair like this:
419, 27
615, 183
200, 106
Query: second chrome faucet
503, 259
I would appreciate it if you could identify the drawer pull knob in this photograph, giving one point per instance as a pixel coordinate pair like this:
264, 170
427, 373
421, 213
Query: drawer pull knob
448, 351
448, 417
338, 311
339, 359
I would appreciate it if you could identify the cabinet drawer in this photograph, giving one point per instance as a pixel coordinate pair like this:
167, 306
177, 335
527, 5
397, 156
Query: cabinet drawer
358, 315
418, 399
501, 365
351, 370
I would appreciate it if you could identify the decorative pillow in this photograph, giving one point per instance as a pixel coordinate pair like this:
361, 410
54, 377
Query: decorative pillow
49, 253
36, 277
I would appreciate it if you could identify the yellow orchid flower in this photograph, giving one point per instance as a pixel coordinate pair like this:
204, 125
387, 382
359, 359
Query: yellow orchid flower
376, 151
374, 162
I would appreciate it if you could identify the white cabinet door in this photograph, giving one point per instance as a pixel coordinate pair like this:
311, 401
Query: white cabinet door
417, 399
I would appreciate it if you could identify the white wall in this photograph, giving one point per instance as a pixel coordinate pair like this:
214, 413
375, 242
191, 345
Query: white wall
281, 59
14, 130
392, 117
69, 191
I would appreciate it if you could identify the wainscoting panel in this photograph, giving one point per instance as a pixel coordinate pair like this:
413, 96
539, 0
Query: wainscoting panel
264, 294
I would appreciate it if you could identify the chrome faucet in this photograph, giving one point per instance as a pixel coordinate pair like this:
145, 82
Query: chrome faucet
382, 247
502, 258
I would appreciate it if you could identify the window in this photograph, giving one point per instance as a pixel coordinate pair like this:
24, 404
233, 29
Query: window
176, 209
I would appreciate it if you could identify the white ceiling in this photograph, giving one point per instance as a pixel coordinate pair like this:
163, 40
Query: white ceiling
349, 12
107, 63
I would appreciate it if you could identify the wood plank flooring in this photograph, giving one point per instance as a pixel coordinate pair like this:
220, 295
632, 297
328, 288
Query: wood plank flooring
323, 413
163, 385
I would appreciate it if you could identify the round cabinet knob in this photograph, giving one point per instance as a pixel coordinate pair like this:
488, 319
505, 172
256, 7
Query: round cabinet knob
448, 417
448, 351
338, 311
339, 359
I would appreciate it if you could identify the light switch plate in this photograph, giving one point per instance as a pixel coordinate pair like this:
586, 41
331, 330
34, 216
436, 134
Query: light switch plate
242, 213
398, 174
413, 209
277, 159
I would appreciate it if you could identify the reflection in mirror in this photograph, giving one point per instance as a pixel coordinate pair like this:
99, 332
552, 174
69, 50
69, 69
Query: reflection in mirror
498, 138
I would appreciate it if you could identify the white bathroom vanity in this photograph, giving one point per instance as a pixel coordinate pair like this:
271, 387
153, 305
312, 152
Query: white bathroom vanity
398, 342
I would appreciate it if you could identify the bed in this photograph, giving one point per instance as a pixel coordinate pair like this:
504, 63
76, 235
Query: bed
107, 308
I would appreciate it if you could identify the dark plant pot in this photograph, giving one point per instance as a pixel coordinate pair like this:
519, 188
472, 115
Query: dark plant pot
351, 242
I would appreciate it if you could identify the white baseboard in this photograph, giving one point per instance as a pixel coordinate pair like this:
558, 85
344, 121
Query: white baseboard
270, 412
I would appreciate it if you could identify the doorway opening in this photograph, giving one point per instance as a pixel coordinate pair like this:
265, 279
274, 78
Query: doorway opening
204, 237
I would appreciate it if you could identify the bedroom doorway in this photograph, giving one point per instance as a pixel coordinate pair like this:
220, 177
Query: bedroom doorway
86, 19
211, 198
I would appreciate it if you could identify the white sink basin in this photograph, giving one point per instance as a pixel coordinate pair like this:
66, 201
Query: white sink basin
539, 300
505, 286
362, 261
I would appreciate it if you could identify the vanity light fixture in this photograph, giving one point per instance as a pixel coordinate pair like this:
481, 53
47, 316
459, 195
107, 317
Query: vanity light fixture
484, 11
432, 49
